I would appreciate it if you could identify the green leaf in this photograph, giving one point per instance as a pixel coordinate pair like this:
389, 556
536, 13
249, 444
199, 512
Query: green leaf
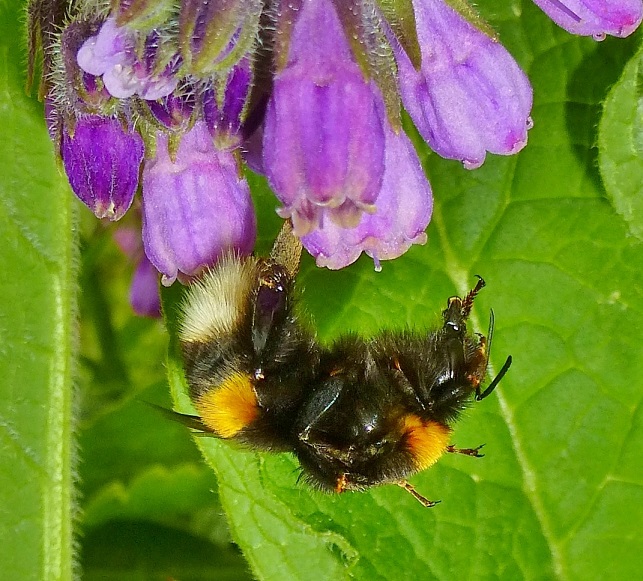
620, 141
156, 494
559, 493
128, 440
38, 292
143, 551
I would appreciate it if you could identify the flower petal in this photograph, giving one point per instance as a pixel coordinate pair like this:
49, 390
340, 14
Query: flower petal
403, 212
323, 138
595, 17
102, 162
195, 207
470, 96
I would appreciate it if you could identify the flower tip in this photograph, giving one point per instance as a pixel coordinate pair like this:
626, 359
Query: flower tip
472, 163
110, 211
168, 280
302, 223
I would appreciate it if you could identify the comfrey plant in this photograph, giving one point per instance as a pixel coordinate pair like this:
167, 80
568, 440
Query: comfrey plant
172, 98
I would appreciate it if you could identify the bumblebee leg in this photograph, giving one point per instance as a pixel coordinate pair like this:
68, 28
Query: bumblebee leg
341, 483
415, 494
475, 452
478, 364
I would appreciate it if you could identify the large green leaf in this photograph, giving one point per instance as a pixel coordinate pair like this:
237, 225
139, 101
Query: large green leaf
37, 292
560, 491
621, 145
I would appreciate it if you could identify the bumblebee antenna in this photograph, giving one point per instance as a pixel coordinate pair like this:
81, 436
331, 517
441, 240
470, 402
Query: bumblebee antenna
467, 302
495, 381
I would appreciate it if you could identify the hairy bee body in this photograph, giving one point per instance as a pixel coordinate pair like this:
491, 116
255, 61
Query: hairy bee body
358, 413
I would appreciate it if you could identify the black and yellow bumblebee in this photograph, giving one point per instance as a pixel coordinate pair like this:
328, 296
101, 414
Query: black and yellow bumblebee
358, 413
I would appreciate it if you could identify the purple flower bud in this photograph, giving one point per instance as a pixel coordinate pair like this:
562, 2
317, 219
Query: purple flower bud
224, 109
142, 14
195, 206
404, 208
595, 17
323, 146
111, 53
144, 292
174, 111
214, 36
470, 96
102, 161
84, 92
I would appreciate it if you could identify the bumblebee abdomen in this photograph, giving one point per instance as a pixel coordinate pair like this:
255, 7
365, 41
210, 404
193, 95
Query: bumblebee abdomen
215, 306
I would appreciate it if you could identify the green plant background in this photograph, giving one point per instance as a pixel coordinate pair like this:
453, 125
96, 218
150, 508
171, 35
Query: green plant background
555, 231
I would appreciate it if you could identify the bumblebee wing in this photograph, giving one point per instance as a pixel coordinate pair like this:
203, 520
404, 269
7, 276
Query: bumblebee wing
192, 422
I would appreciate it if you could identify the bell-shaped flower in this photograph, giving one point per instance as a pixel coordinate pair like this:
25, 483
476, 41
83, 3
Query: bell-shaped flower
403, 211
469, 97
323, 143
195, 205
144, 296
595, 18
111, 54
102, 160
144, 292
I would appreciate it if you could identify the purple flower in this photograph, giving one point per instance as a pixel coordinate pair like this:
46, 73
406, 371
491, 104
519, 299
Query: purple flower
195, 206
174, 111
595, 17
214, 36
144, 292
470, 96
111, 54
403, 212
323, 146
102, 161
224, 110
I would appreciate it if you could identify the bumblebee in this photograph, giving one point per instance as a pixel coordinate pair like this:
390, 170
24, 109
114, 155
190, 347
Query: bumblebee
358, 413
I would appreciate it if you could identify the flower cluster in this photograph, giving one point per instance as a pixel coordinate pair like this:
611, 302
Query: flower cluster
173, 98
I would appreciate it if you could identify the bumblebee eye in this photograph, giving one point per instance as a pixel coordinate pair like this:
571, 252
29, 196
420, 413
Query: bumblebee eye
452, 328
